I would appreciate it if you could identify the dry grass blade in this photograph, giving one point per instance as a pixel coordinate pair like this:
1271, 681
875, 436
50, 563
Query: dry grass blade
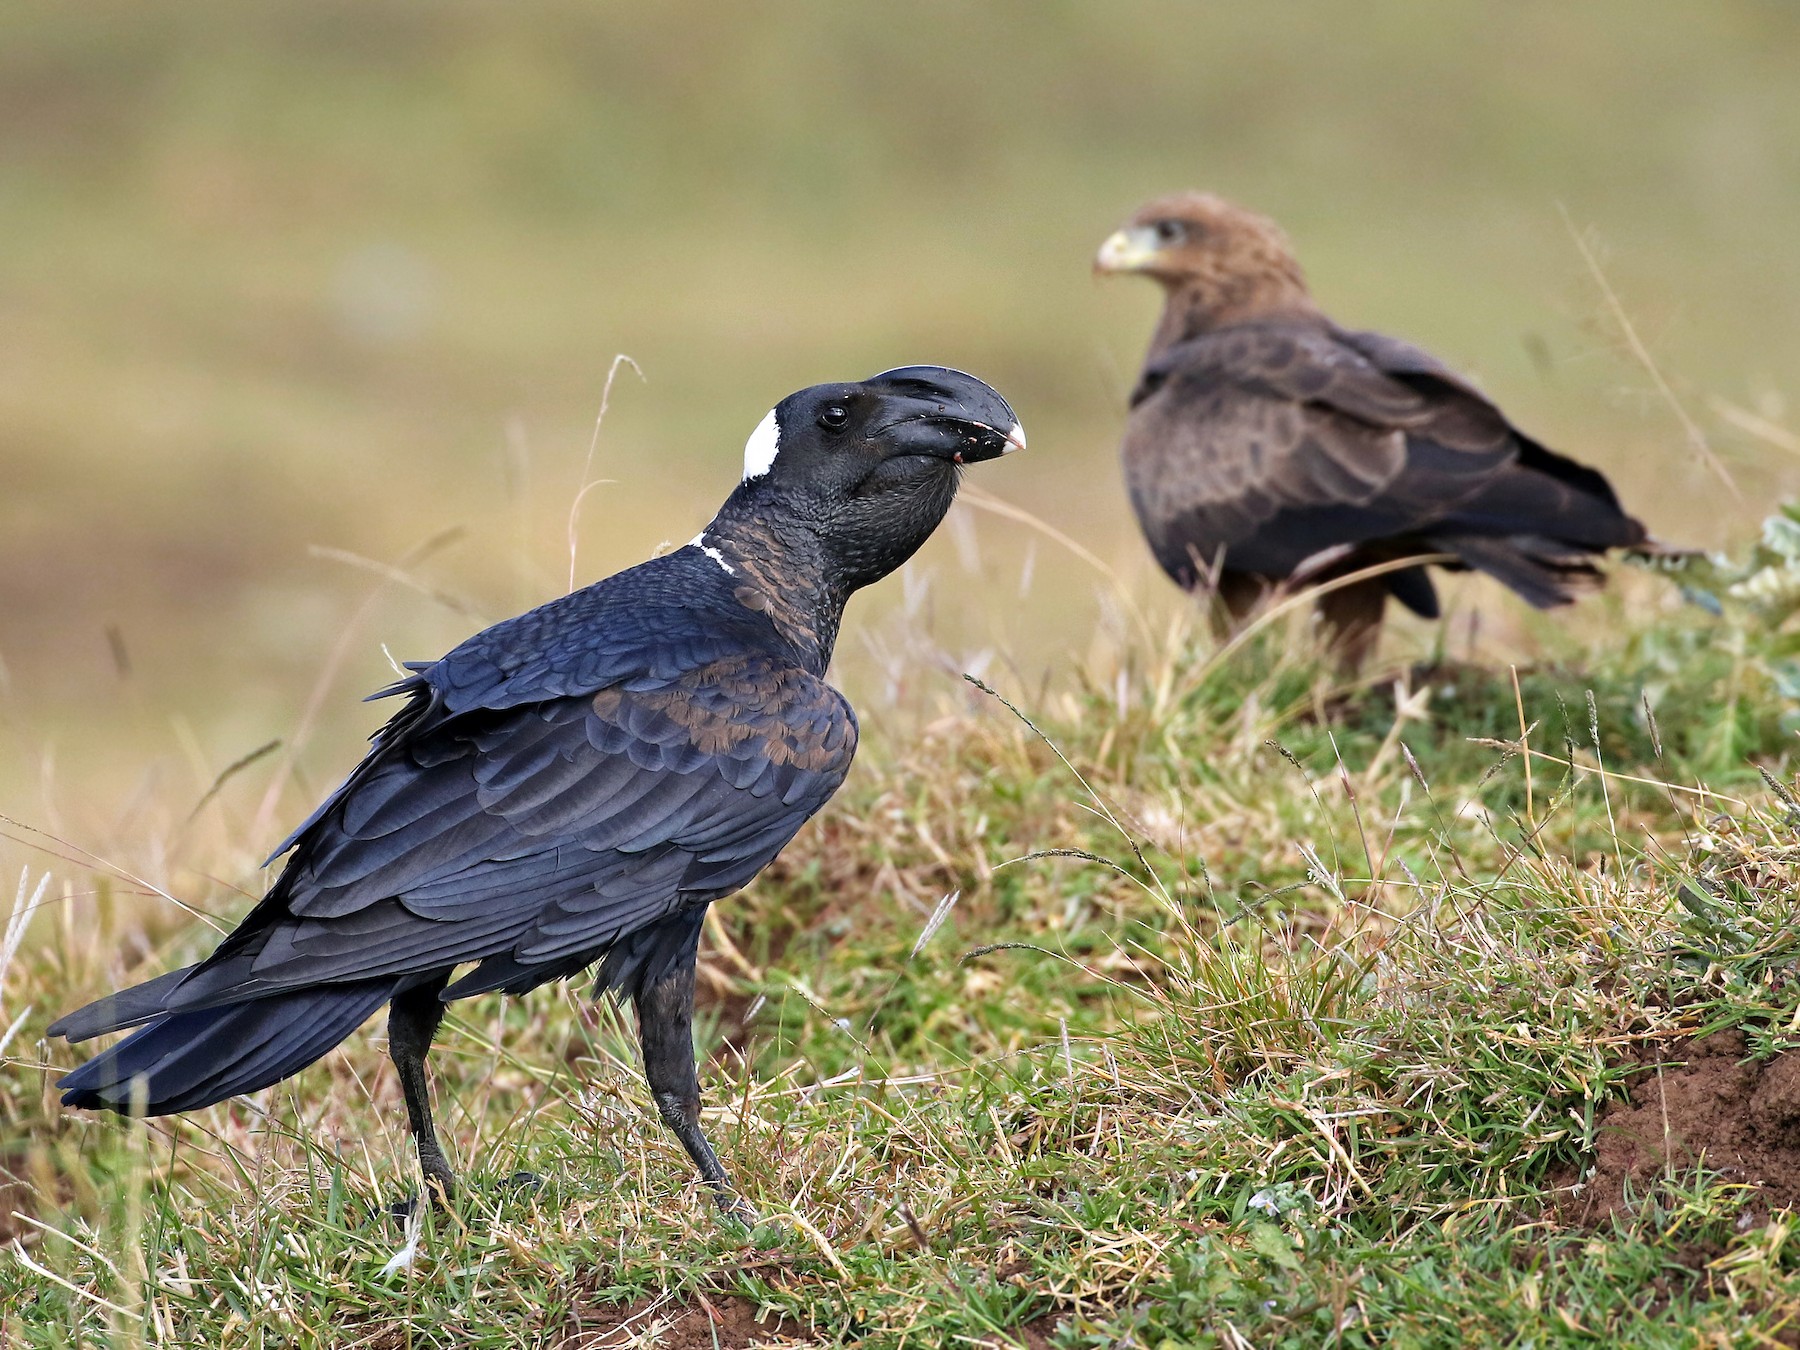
1696, 438
995, 506
1771, 433
24, 902
588, 482
400, 576
230, 771
938, 916
328, 673
1600, 771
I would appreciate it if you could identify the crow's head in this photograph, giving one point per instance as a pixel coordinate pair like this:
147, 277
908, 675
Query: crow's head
871, 468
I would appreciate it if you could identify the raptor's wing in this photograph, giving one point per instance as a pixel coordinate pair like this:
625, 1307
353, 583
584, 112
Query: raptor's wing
1263, 445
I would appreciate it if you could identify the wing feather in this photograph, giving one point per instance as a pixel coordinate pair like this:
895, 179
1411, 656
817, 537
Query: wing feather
534, 834
1264, 444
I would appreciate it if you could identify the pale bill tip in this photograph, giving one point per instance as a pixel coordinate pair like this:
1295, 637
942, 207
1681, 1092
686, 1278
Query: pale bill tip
1015, 439
1123, 251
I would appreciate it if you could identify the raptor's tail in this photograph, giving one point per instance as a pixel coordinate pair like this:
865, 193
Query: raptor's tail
186, 1060
1545, 572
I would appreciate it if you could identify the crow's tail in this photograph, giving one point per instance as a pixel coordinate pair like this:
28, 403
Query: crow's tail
191, 1059
128, 1008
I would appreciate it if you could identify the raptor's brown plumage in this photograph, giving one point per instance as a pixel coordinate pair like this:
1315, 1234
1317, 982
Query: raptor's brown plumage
1265, 444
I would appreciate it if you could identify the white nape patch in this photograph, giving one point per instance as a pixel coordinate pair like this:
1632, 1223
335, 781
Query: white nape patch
699, 542
762, 447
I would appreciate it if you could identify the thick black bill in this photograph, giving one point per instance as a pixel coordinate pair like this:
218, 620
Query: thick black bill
948, 414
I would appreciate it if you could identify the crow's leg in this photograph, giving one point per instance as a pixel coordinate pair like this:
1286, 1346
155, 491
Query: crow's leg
413, 1019
666, 1031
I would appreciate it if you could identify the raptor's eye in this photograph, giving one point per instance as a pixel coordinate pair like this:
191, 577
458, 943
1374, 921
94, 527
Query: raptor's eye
835, 417
1170, 231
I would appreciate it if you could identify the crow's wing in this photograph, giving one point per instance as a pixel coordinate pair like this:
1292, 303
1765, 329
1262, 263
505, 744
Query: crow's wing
642, 628
539, 834
1262, 445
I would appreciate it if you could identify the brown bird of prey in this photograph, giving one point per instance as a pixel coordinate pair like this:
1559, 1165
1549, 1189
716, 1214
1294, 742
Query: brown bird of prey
1268, 446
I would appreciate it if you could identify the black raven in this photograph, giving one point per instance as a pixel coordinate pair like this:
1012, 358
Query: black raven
1266, 444
576, 784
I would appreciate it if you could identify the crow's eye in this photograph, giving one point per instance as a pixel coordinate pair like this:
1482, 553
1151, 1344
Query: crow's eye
1170, 231
835, 417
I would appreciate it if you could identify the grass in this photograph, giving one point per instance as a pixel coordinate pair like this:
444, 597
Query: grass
1267, 1011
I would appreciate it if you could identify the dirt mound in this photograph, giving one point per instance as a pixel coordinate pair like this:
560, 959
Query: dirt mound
1700, 1102
721, 1321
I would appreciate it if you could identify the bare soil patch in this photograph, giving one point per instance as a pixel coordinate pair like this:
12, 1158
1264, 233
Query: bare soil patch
724, 1321
1700, 1102
1038, 1333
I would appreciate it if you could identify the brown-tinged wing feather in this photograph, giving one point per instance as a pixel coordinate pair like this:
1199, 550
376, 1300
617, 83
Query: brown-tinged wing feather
537, 835
1262, 445
1267, 443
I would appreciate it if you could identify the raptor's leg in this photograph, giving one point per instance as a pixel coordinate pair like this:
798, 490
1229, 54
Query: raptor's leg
1230, 599
666, 1031
1351, 616
413, 1019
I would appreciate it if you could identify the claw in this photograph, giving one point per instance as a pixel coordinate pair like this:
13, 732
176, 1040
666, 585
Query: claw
403, 1209
734, 1206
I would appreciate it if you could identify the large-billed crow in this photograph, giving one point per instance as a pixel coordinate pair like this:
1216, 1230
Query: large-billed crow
1266, 444
574, 785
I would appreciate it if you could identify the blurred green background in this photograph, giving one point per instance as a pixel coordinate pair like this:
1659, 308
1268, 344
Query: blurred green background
283, 284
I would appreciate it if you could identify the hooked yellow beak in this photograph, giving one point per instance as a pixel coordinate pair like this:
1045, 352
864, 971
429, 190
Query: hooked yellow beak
1128, 250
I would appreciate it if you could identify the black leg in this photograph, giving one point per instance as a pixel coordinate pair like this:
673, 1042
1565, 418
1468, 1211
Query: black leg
413, 1019
666, 1031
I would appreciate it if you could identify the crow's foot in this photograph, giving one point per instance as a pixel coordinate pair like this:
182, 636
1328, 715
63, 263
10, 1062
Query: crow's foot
401, 1210
734, 1206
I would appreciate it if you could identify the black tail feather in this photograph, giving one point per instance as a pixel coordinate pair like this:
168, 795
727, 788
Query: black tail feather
127, 1008
186, 1060
1544, 572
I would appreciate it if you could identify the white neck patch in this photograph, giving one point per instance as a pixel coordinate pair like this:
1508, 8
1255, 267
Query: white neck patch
762, 447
